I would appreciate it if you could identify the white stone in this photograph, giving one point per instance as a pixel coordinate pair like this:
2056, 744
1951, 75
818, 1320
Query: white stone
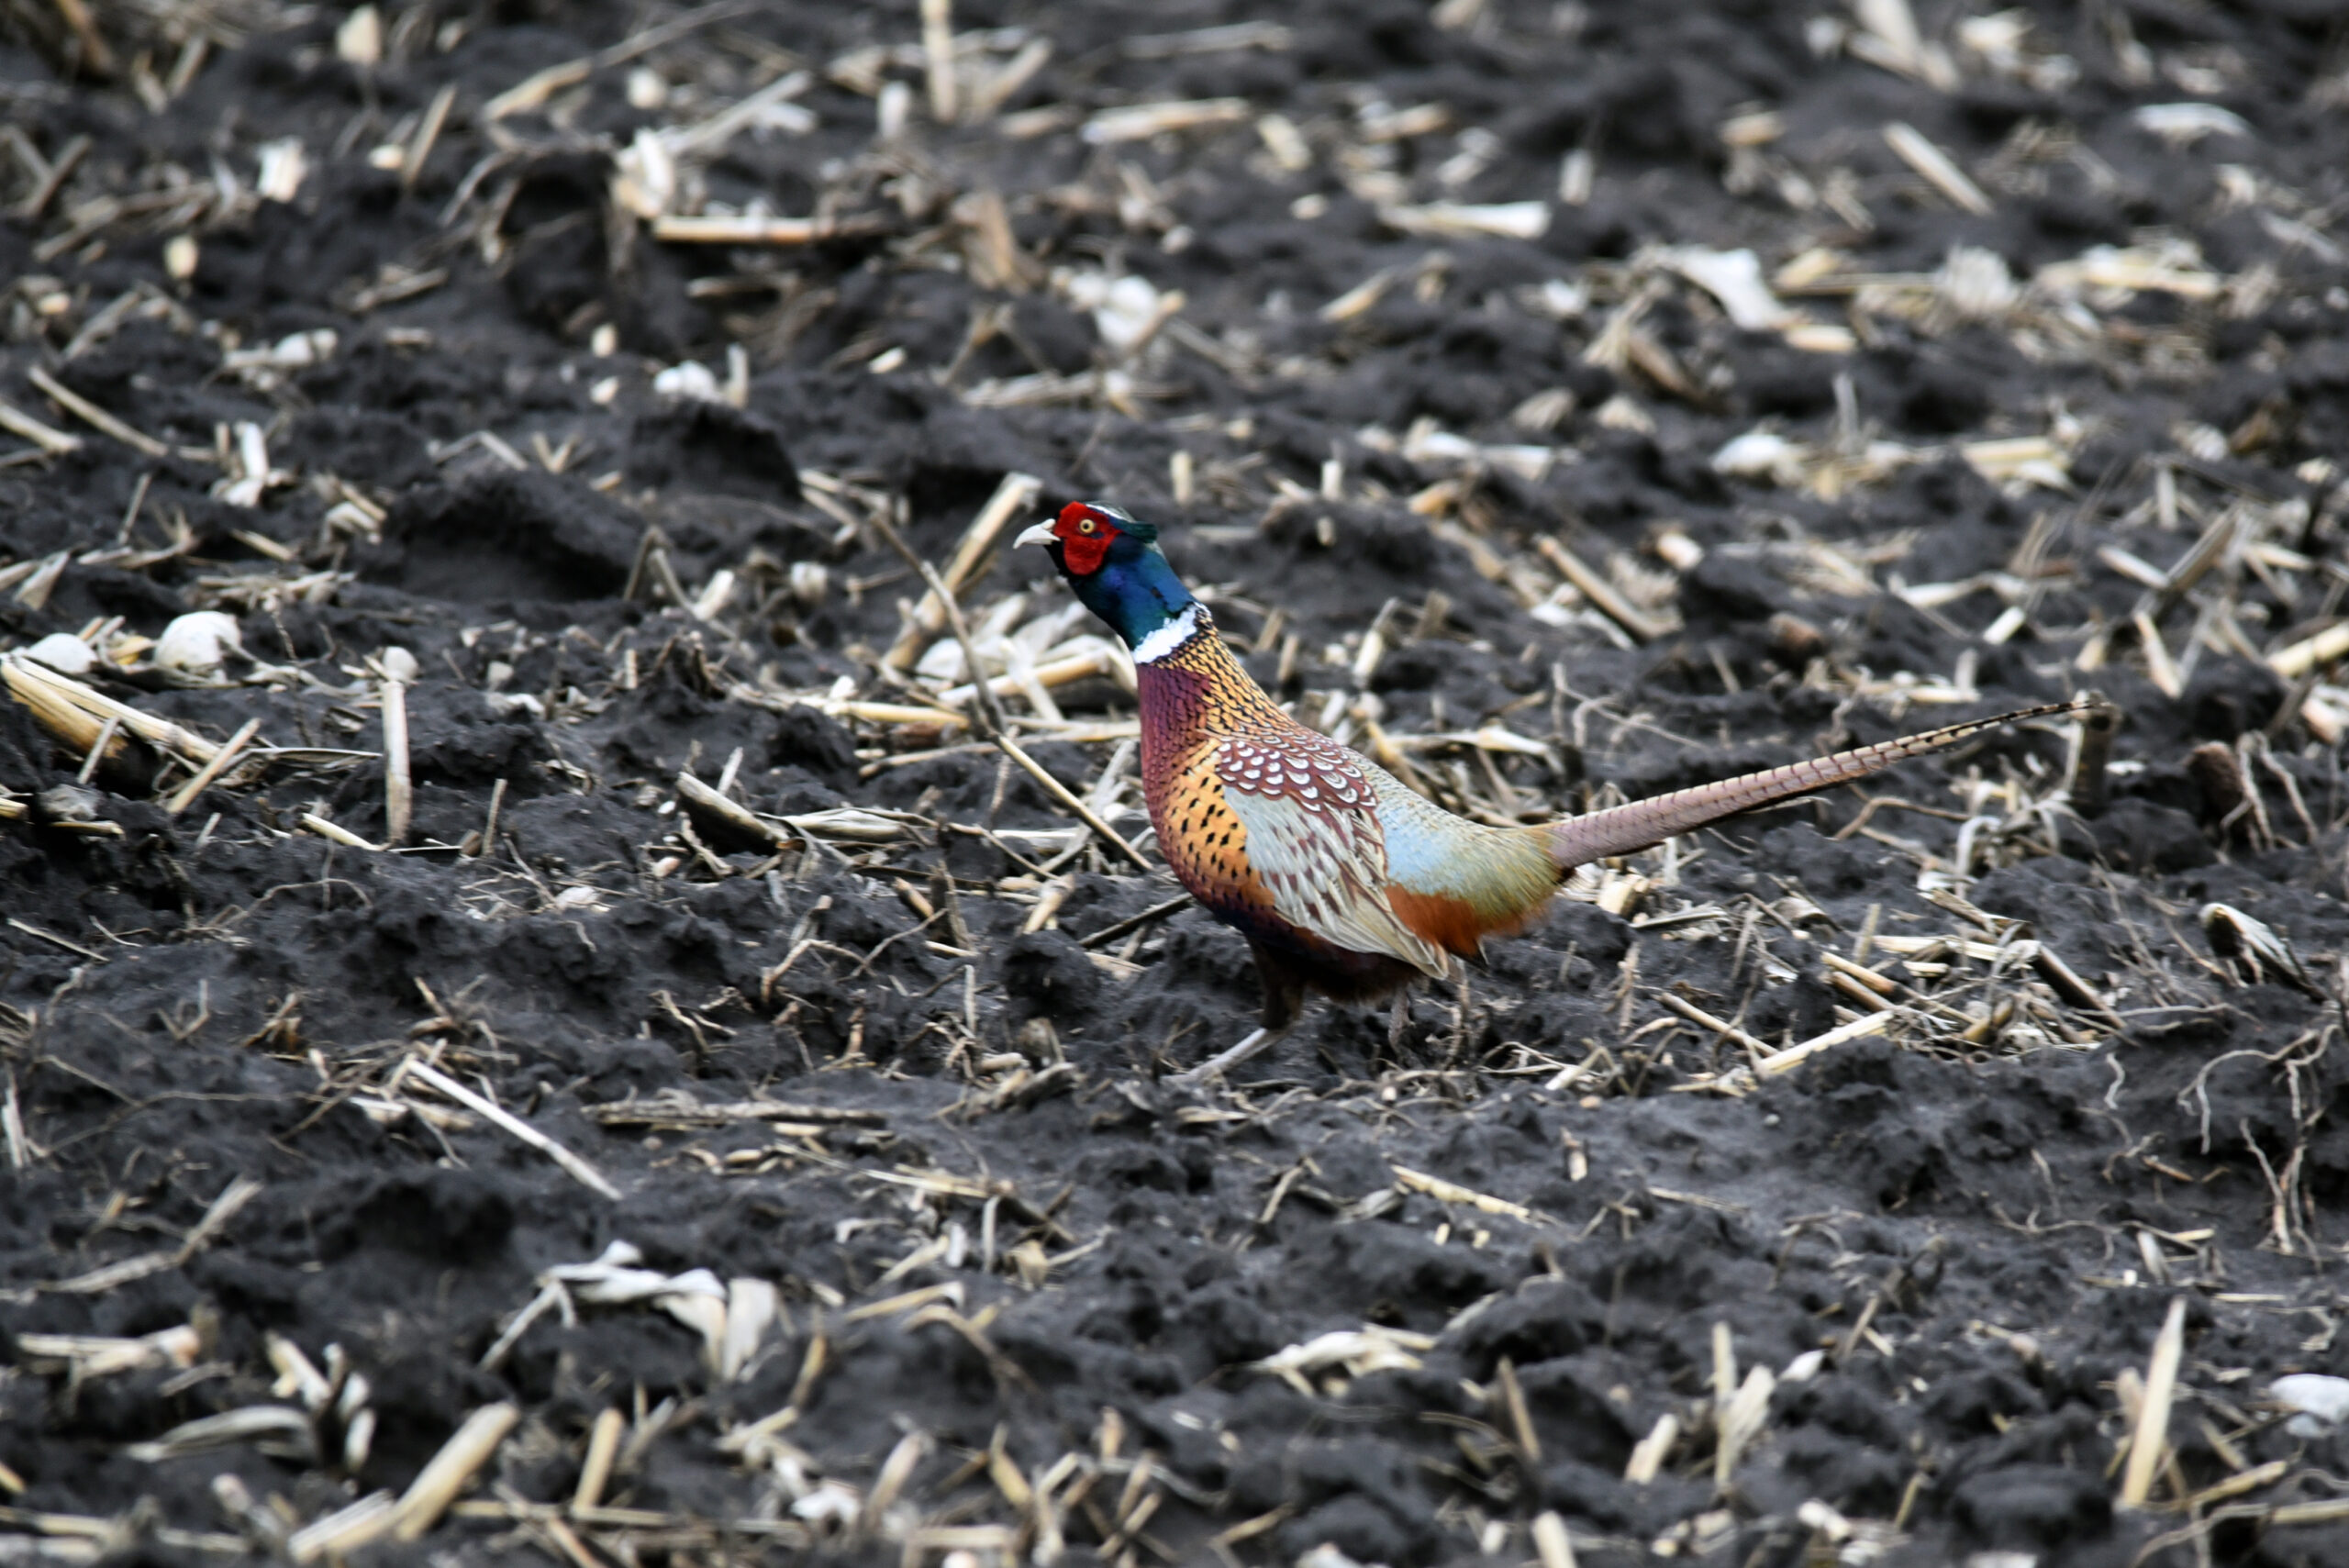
197, 644
283, 164
63, 652
1975, 282
692, 379
2318, 1401
1123, 308
1761, 454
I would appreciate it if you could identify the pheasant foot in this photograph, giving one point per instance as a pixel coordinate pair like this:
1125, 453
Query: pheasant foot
1459, 1019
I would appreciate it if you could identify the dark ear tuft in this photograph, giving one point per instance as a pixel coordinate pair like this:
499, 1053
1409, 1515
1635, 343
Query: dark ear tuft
1126, 523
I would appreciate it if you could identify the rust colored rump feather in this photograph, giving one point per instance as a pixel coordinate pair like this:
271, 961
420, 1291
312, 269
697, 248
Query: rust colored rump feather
1449, 923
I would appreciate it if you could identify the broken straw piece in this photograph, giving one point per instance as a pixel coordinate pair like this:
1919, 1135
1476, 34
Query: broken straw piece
768, 108
48, 438
1734, 278
74, 710
2249, 943
97, 1355
1892, 26
752, 1309
1939, 168
1842, 1034
1443, 1191
1508, 221
2150, 1435
250, 466
1140, 122
344, 1530
574, 1166
257, 1424
2139, 269
448, 1473
1649, 1453
359, 39
2313, 652
732, 1318
695, 1299
1741, 1421
644, 178
2183, 124
295, 351
1359, 1352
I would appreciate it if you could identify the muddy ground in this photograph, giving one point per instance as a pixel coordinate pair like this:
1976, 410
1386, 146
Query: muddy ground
2061, 411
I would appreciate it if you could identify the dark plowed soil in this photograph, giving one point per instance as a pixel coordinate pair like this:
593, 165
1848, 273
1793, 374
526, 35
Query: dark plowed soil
2060, 412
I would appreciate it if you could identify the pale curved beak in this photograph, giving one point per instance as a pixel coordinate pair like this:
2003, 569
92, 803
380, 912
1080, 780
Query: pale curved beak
1041, 533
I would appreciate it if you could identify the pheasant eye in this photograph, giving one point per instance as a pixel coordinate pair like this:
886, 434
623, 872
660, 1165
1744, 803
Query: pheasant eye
1086, 526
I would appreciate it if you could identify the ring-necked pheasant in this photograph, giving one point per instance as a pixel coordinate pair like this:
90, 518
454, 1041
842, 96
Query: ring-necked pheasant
1343, 878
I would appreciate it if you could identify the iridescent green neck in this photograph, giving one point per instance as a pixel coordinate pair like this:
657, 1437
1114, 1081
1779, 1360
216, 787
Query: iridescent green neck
1136, 591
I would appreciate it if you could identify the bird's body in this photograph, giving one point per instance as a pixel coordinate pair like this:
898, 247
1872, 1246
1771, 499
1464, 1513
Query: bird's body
1343, 878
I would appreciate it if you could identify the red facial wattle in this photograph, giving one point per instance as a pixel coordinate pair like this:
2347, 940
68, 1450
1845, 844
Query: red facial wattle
1085, 536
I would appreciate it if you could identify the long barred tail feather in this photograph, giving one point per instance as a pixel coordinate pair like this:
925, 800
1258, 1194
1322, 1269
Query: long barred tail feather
1643, 824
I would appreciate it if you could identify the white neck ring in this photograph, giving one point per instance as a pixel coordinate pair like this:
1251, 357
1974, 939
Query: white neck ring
1159, 644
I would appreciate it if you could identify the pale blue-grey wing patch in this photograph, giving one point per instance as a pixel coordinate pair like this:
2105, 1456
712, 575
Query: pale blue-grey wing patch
1429, 851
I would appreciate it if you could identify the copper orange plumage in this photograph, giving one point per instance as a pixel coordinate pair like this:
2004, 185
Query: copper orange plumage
1343, 878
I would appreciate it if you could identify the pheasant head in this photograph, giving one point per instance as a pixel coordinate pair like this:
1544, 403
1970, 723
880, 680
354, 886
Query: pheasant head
1112, 562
